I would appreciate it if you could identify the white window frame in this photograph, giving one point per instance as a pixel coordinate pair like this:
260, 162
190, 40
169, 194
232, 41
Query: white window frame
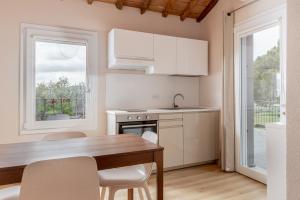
269, 18
29, 35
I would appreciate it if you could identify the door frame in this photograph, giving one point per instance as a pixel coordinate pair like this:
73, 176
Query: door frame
268, 19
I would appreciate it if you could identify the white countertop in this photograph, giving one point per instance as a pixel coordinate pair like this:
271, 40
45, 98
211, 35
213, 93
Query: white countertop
162, 111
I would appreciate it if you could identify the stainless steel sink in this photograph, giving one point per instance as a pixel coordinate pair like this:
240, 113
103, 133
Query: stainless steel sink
183, 108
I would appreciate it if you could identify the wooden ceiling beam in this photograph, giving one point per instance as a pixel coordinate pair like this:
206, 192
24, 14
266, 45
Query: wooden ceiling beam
205, 12
188, 9
119, 4
168, 6
183, 11
145, 6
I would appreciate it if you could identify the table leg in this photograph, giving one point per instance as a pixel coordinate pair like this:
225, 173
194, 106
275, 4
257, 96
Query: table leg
158, 157
130, 194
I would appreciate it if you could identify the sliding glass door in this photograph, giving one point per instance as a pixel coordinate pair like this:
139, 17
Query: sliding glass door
260, 95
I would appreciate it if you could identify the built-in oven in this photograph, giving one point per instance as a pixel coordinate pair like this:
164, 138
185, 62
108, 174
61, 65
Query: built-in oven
137, 124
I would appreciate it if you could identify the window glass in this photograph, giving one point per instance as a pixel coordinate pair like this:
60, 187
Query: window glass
60, 80
261, 92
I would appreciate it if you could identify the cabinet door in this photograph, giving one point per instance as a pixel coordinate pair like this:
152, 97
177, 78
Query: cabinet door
165, 61
172, 141
200, 136
192, 57
132, 44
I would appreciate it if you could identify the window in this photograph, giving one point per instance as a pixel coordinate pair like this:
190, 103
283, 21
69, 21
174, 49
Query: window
261, 91
260, 45
58, 88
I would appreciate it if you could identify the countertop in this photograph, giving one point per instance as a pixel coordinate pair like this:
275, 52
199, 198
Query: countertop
165, 111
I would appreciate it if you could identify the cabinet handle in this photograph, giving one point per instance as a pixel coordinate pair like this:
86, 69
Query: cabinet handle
165, 127
139, 126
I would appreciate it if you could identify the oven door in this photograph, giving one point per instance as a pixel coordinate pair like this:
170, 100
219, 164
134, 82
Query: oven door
137, 128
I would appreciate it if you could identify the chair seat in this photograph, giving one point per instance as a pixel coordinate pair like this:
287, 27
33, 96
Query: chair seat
11, 193
123, 176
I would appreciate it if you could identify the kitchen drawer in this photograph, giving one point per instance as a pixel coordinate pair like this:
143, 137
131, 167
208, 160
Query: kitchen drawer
170, 123
170, 116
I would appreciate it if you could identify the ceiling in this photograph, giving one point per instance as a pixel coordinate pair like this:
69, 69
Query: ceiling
196, 9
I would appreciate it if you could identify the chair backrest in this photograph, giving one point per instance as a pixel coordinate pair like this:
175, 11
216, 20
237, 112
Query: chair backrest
61, 179
151, 137
63, 136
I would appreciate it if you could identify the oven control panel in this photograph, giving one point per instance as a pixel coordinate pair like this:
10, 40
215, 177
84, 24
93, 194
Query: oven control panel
136, 117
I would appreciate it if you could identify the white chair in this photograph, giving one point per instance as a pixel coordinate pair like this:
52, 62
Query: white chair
61, 179
63, 136
128, 177
10, 193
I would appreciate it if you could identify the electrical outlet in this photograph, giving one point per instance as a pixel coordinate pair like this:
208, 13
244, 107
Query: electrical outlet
155, 96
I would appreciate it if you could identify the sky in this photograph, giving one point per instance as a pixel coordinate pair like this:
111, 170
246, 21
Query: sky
265, 40
54, 60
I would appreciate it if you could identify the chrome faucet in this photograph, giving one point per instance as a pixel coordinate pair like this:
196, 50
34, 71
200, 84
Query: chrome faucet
174, 99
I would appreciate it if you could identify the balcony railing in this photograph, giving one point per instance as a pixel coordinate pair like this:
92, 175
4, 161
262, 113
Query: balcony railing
58, 109
266, 112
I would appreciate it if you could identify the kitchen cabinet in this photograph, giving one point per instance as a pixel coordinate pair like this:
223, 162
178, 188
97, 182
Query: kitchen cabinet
172, 141
130, 49
192, 57
179, 56
165, 53
200, 136
189, 137
171, 138
157, 54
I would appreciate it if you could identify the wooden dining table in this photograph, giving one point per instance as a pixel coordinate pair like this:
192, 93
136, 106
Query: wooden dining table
109, 152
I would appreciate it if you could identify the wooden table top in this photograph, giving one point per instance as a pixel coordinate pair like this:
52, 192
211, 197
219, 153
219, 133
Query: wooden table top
21, 154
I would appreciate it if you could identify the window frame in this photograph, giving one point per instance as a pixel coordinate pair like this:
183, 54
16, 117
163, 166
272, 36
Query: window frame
29, 35
270, 18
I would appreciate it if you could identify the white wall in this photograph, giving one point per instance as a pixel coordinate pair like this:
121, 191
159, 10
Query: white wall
144, 91
99, 17
255, 9
293, 102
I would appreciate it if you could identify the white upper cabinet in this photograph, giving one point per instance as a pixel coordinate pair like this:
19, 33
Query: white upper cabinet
192, 57
165, 54
130, 49
157, 54
179, 56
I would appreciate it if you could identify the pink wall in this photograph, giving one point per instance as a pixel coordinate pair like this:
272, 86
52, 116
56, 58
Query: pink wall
293, 102
75, 14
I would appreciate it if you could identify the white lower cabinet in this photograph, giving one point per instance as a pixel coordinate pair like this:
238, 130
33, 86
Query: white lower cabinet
200, 136
189, 138
172, 140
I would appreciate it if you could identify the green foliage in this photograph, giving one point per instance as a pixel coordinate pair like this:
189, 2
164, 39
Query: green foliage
265, 69
60, 98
